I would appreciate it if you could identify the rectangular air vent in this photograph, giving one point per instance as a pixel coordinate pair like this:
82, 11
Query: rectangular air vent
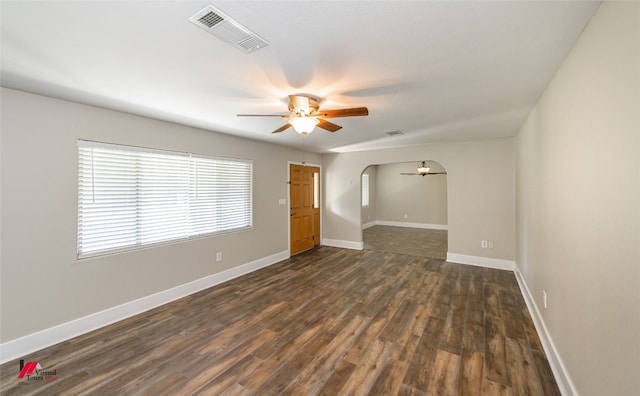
394, 133
222, 26
210, 19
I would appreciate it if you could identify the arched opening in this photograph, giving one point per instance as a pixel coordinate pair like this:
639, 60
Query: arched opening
404, 210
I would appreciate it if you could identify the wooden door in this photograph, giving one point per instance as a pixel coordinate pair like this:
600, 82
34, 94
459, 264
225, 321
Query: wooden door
304, 182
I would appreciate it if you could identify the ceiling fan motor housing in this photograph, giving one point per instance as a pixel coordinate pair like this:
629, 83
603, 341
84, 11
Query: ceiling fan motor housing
300, 104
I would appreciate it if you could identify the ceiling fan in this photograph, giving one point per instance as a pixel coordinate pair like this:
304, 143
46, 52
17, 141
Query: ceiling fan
305, 115
423, 170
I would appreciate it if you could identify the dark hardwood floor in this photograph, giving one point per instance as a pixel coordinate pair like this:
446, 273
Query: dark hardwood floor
328, 321
415, 241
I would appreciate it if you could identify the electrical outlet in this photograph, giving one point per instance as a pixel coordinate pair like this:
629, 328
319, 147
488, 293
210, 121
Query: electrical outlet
219, 256
544, 299
483, 244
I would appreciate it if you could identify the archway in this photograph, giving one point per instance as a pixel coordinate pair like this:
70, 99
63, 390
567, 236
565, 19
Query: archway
405, 213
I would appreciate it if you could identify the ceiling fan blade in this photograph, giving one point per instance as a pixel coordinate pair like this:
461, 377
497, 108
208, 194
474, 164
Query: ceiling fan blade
264, 115
352, 112
282, 128
424, 174
329, 126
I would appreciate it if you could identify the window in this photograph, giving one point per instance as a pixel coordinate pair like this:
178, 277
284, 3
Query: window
365, 189
316, 190
129, 197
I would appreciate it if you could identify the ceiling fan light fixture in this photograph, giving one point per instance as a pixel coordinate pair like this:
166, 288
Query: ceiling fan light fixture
304, 125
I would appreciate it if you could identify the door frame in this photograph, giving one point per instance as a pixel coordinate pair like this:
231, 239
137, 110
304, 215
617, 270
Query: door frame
288, 184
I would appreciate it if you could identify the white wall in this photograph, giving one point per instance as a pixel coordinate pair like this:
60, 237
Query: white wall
42, 282
423, 199
578, 199
480, 190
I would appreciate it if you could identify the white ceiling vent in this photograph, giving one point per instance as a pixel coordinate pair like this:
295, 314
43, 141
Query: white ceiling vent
222, 26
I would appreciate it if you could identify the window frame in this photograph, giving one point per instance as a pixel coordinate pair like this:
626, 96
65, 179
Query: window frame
365, 190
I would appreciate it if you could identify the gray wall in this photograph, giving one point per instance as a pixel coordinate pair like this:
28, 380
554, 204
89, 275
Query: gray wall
422, 198
480, 191
578, 197
42, 282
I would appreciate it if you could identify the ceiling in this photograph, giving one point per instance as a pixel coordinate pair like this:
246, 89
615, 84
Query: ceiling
434, 70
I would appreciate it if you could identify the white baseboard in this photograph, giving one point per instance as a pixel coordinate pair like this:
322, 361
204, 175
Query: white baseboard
481, 261
565, 384
34, 342
411, 225
368, 225
343, 244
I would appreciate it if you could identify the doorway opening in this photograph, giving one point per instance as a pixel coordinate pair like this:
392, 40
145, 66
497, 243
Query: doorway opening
404, 212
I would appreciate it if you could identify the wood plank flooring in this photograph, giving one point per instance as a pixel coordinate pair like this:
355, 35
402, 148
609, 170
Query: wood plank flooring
326, 322
404, 240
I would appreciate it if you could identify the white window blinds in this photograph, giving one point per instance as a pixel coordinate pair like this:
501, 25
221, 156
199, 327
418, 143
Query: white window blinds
130, 197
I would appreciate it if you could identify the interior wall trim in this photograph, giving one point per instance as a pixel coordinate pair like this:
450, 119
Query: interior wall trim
560, 372
22, 346
368, 225
343, 244
481, 261
411, 225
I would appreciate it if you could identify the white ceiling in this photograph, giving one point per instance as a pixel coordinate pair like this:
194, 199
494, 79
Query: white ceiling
435, 70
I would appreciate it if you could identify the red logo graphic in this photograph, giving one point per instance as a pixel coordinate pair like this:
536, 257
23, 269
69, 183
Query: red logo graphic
33, 372
28, 369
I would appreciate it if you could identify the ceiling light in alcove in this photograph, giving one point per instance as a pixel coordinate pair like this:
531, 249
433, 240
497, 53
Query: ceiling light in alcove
423, 168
